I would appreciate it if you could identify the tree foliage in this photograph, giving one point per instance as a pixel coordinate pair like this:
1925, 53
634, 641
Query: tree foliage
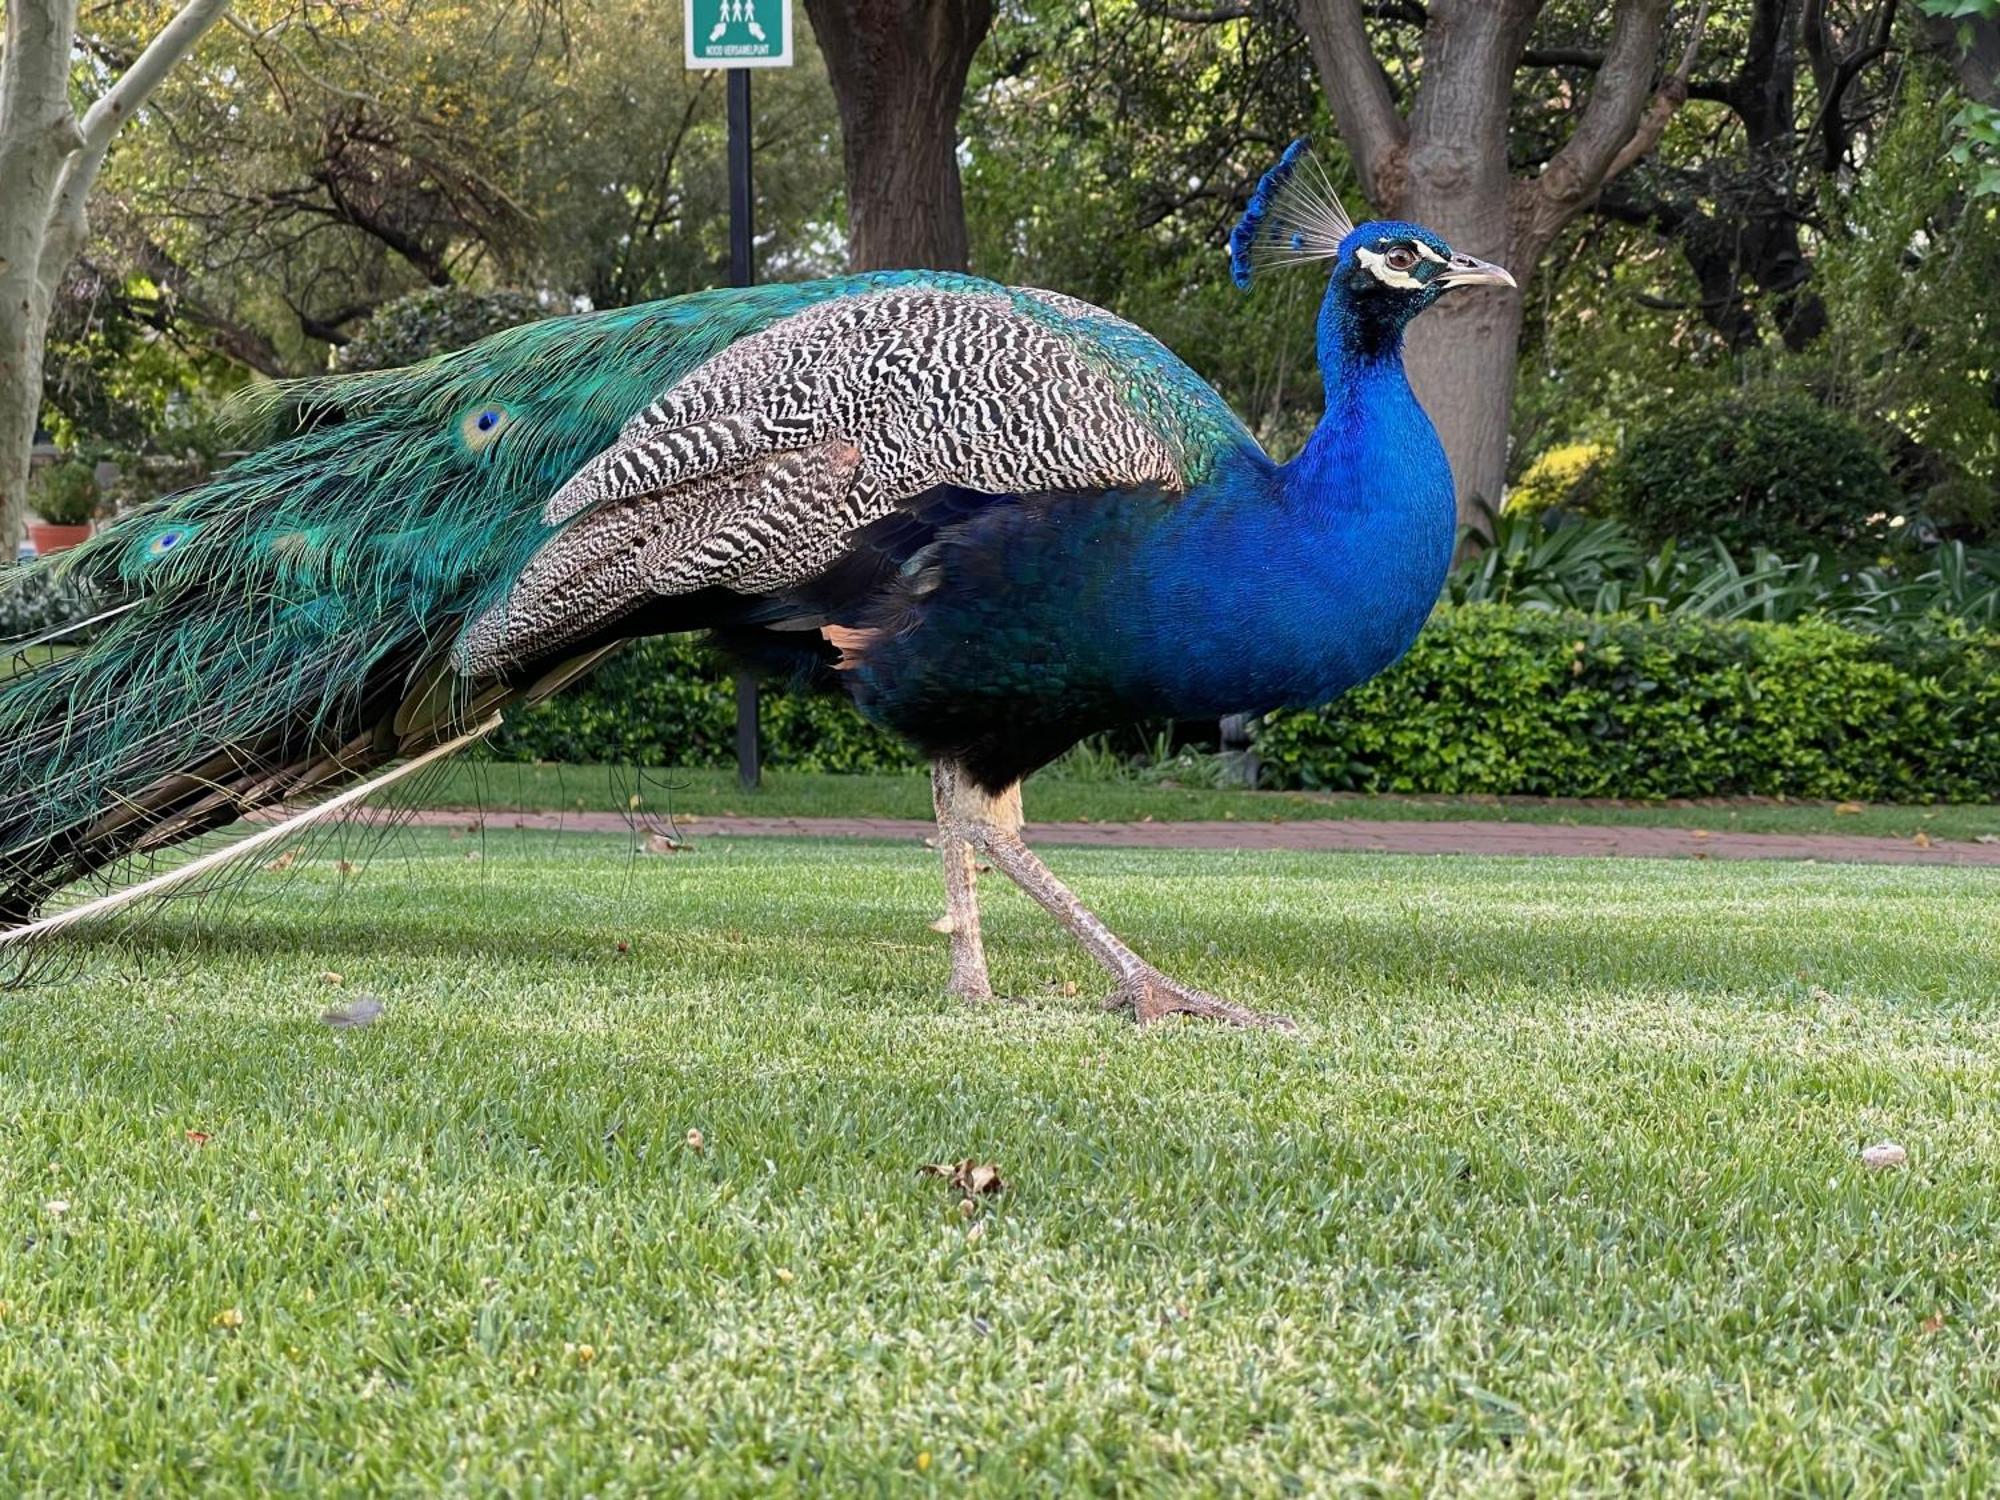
327, 158
1818, 214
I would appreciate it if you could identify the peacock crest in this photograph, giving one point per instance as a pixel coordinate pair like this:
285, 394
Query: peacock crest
1294, 217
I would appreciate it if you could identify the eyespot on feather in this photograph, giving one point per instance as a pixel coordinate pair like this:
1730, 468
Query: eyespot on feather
164, 542
481, 427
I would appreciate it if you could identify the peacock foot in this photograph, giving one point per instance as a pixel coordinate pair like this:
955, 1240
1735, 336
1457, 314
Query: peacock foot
1150, 995
970, 988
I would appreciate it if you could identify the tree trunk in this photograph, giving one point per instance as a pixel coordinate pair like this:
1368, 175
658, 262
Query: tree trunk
37, 135
48, 161
20, 407
1461, 356
898, 69
1445, 167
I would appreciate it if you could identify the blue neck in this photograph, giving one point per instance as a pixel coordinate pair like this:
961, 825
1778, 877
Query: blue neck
1375, 451
1310, 577
1371, 414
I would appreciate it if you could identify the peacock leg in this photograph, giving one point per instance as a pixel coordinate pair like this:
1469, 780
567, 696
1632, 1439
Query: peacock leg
991, 826
961, 895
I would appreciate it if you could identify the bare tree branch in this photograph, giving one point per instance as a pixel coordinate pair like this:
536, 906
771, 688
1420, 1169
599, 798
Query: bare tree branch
1215, 17
1609, 120
1671, 96
1834, 72
175, 41
1562, 57
47, 164
1376, 135
68, 223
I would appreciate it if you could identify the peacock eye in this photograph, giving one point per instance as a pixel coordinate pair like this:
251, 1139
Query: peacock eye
1400, 258
482, 426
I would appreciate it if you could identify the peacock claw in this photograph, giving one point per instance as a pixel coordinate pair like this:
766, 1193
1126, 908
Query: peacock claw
973, 994
1149, 995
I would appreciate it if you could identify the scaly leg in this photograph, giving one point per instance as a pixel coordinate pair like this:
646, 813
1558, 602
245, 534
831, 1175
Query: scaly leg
971, 820
961, 895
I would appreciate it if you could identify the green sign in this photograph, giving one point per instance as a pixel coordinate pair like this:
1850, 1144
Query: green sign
738, 33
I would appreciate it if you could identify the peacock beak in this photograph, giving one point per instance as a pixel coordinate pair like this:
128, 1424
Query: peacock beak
1466, 270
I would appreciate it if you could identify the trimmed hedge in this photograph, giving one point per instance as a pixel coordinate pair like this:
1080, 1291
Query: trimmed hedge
1492, 699
1500, 700
434, 320
664, 702
34, 600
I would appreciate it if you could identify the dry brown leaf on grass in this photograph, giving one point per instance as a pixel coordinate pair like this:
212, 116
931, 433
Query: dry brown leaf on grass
284, 861
1847, 809
969, 1177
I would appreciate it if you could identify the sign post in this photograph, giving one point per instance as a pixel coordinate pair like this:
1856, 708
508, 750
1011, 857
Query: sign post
739, 35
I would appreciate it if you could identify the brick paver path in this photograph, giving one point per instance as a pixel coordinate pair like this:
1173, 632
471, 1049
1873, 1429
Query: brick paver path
1403, 837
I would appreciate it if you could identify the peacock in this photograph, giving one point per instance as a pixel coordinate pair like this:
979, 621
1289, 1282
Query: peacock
1000, 519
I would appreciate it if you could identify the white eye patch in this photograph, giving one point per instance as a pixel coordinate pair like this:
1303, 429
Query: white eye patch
1427, 253
1378, 266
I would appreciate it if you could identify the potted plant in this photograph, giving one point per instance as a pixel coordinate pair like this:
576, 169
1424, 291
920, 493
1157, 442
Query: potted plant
65, 497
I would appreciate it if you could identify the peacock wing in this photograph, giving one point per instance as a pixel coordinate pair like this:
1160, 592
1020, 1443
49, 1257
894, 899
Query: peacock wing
757, 470
624, 551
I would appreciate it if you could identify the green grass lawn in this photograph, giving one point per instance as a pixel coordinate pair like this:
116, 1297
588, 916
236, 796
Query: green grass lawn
1558, 1191
500, 786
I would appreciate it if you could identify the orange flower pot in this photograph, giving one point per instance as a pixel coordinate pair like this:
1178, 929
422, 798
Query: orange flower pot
49, 539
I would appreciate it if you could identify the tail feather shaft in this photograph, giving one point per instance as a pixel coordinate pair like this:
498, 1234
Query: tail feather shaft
194, 870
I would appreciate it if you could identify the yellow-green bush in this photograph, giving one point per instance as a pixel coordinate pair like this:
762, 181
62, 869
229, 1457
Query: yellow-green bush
1563, 477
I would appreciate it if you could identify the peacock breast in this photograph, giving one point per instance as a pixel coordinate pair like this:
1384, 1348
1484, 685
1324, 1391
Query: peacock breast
1263, 591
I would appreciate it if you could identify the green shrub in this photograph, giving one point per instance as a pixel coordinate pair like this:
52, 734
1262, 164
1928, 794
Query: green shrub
65, 494
1492, 699
1544, 561
1501, 700
435, 320
38, 598
1566, 477
664, 702
1758, 468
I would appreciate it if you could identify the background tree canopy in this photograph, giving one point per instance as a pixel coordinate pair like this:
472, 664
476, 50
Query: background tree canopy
1821, 215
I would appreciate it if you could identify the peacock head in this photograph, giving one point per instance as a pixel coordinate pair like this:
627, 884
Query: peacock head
1383, 272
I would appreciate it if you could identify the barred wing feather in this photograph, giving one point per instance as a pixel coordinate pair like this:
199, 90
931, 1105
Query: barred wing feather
756, 470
